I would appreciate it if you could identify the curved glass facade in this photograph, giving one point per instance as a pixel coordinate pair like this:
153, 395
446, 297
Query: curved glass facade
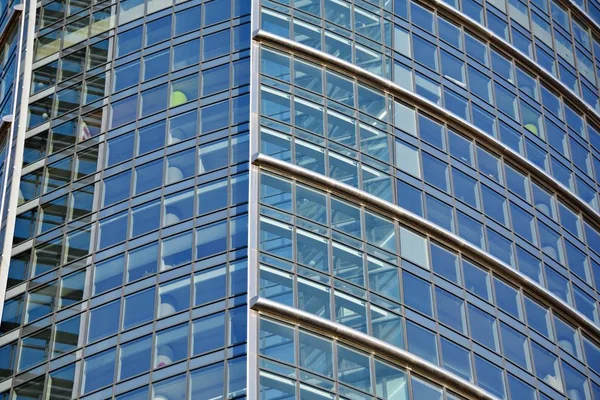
300, 199
479, 119
128, 261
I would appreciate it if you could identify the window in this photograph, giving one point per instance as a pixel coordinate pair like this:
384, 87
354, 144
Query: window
423, 390
546, 366
432, 132
523, 223
440, 213
417, 294
483, 327
494, 205
113, 230
34, 349
98, 371
207, 381
506, 101
187, 20
208, 333
445, 263
210, 285
135, 357
171, 345
477, 280
453, 67
450, 310
410, 198
550, 242
216, 44
390, 382
158, 30
465, 188
461, 148
480, 84
176, 386
568, 338
186, 54
277, 341
515, 346
129, 41
407, 159
436, 172
41, 302
353, 368
155, 65
422, 342
508, 298
425, 52
104, 320
538, 318
490, 377
414, 248
456, 359
67, 336
422, 17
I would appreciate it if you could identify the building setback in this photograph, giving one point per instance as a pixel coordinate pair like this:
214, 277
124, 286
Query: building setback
300, 199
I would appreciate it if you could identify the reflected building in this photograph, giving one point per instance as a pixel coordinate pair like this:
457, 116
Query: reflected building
300, 199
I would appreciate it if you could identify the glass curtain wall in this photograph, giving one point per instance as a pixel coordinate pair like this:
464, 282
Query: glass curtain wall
127, 277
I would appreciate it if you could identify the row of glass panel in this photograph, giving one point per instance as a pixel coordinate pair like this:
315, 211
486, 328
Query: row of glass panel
64, 135
157, 30
343, 129
223, 379
70, 65
552, 160
91, 23
327, 368
313, 251
217, 116
330, 365
142, 178
121, 149
211, 239
152, 100
375, 57
458, 101
209, 333
308, 246
366, 20
591, 6
349, 132
154, 255
470, 229
182, 291
533, 37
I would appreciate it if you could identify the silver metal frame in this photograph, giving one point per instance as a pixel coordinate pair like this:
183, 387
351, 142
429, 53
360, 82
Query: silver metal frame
252, 378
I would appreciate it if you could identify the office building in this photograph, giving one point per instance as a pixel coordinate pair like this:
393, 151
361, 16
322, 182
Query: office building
300, 199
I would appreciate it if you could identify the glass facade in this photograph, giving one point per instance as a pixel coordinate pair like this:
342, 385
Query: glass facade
300, 199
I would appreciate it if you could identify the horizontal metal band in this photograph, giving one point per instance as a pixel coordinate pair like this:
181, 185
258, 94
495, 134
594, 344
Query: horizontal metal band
372, 345
402, 93
353, 194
